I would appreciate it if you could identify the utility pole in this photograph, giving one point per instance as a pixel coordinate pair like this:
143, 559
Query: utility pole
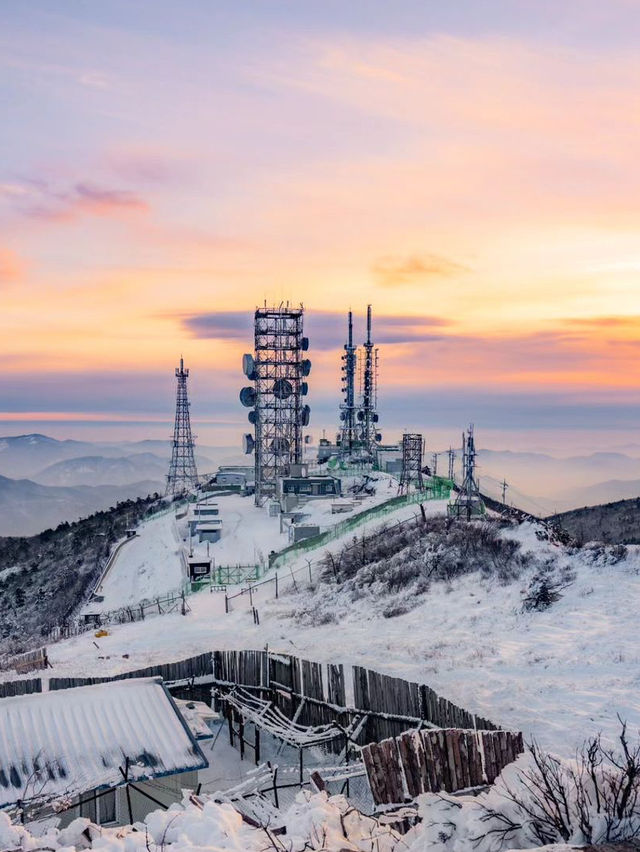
505, 485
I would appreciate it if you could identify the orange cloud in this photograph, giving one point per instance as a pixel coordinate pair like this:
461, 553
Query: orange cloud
11, 266
415, 269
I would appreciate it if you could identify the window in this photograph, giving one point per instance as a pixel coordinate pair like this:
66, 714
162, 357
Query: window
99, 806
107, 807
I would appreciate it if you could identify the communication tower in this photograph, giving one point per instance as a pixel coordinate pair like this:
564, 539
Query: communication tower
412, 452
348, 436
278, 372
468, 503
182, 469
369, 436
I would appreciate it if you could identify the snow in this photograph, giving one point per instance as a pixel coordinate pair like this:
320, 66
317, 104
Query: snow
558, 675
314, 821
150, 565
145, 567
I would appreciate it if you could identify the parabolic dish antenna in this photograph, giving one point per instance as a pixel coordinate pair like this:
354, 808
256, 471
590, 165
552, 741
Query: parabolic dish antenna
282, 389
248, 397
248, 366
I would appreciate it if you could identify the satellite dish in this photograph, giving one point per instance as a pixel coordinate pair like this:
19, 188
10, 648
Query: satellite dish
280, 446
248, 366
361, 415
307, 439
252, 416
248, 444
304, 415
375, 418
343, 415
305, 344
304, 388
305, 365
248, 397
282, 389
378, 436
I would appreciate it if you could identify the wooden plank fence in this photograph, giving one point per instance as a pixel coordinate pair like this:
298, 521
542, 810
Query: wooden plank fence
401, 768
29, 661
182, 670
392, 704
20, 687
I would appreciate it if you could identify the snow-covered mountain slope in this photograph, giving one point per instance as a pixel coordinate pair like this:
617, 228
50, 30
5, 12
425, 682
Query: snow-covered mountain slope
559, 675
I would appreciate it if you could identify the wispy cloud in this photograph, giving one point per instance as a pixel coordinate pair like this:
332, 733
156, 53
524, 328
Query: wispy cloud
415, 269
326, 329
36, 198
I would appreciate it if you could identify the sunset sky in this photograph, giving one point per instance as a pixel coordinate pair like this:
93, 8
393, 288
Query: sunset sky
470, 168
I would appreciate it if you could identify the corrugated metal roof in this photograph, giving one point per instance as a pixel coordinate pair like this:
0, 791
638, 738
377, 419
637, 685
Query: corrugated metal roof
69, 741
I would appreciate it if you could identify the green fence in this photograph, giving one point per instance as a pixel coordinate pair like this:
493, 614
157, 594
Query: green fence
438, 489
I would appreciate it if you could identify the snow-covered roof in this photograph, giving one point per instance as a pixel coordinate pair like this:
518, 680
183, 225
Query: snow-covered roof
65, 742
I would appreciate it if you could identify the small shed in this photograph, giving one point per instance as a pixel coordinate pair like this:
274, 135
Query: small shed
199, 567
319, 485
98, 751
209, 530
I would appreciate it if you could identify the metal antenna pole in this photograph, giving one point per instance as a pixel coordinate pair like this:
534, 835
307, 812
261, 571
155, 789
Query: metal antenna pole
348, 407
182, 474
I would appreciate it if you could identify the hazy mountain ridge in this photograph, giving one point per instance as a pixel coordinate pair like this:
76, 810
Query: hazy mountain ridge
101, 470
27, 507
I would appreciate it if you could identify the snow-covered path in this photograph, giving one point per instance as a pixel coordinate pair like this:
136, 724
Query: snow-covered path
145, 567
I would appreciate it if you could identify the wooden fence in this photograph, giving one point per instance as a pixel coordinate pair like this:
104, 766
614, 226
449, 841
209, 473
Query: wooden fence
401, 768
171, 602
20, 687
29, 661
316, 694
183, 670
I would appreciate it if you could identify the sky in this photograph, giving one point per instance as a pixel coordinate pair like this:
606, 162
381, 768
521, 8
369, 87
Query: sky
469, 169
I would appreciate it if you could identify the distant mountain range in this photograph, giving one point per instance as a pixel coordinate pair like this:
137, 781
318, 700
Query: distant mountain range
44, 481
42, 459
542, 484
27, 507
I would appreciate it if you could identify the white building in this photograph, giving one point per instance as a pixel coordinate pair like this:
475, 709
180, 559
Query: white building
96, 751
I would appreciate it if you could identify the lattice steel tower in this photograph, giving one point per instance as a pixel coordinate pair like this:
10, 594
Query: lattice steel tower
412, 452
348, 406
182, 469
367, 415
468, 502
278, 372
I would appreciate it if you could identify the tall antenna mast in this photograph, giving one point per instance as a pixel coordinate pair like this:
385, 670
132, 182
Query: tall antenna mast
367, 415
348, 406
182, 474
468, 502
278, 371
